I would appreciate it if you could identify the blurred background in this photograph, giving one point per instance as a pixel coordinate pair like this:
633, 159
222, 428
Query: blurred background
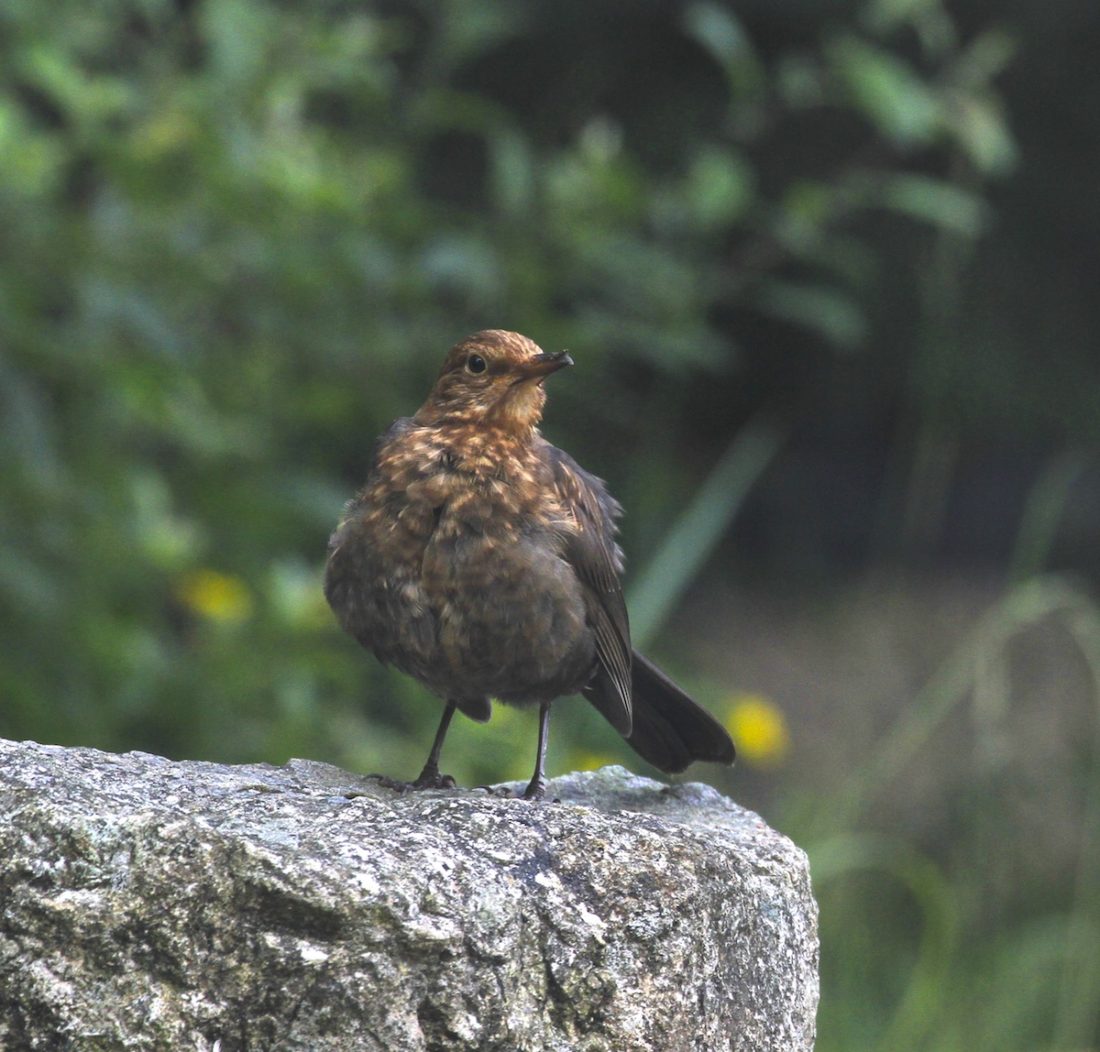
823, 267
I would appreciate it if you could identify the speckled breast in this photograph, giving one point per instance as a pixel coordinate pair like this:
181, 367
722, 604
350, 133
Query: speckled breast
511, 616
456, 576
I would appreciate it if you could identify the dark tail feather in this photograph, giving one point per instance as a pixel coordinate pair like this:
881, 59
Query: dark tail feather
670, 730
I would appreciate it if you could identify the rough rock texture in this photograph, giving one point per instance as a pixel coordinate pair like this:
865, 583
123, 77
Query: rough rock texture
146, 904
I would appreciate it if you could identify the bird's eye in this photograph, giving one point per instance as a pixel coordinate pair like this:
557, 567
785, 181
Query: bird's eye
475, 363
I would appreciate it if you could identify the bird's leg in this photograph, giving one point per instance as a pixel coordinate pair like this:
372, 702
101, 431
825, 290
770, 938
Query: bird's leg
430, 778
536, 788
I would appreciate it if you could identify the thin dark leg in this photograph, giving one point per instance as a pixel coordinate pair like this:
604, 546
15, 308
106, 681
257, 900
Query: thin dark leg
536, 788
430, 777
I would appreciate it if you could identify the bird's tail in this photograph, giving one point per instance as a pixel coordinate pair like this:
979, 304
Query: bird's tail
670, 730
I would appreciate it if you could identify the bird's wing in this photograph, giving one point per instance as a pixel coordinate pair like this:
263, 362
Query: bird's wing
591, 550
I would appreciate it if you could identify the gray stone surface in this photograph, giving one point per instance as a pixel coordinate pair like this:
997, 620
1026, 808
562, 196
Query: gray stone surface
146, 904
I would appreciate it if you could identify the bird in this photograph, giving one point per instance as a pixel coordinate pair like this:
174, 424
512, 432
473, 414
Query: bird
482, 560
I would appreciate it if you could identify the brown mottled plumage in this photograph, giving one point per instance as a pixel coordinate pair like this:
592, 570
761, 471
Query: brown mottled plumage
482, 560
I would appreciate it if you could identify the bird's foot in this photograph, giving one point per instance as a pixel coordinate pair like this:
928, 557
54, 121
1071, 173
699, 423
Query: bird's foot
387, 782
536, 789
428, 780
503, 791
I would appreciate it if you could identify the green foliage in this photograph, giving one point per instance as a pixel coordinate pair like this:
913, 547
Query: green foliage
236, 238
985, 969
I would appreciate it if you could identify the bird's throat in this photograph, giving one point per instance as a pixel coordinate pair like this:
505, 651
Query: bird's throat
519, 410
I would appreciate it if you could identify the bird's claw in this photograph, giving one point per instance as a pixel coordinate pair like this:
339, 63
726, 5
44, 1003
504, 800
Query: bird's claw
536, 790
533, 792
427, 780
386, 781
502, 791
433, 780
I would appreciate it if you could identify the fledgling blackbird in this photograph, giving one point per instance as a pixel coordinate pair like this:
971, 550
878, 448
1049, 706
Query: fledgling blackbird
482, 560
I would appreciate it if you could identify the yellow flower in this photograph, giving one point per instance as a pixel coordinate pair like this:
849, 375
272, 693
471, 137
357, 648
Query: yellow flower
585, 760
759, 730
215, 596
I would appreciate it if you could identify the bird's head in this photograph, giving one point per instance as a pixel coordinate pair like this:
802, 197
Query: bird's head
493, 378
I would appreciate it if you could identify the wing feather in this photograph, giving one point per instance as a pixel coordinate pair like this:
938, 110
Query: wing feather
591, 550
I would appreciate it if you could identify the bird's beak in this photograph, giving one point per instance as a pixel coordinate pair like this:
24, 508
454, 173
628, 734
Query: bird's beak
542, 365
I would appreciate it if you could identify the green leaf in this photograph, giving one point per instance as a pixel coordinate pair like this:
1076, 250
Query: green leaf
935, 201
903, 107
884, 16
719, 187
987, 57
717, 29
699, 527
824, 310
982, 131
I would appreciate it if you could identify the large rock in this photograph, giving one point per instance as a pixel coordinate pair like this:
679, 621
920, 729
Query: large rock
156, 905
